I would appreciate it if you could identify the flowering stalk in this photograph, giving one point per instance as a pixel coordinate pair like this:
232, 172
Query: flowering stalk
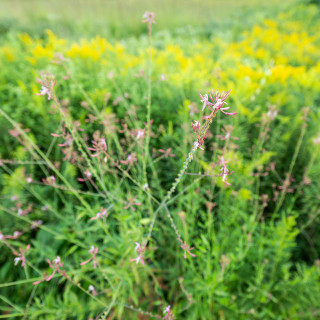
216, 104
148, 17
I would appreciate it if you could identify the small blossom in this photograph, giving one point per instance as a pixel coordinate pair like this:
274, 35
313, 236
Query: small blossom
21, 256
145, 186
272, 112
204, 100
167, 153
140, 250
45, 207
163, 77
141, 74
92, 290
22, 212
148, 17
195, 126
227, 130
168, 313
88, 176
29, 179
306, 180
56, 265
131, 158
197, 145
99, 147
49, 180
59, 58
218, 101
131, 203
36, 224
316, 140
186, 249
93, 251
141, 133
225, 172
47, 82
101, 214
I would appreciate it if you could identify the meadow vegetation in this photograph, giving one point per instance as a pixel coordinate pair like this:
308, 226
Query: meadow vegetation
132, 189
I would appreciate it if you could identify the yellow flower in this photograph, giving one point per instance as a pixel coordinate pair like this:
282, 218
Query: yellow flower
8, 53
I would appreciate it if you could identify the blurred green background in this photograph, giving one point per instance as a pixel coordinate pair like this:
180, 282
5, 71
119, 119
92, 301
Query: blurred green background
118, 18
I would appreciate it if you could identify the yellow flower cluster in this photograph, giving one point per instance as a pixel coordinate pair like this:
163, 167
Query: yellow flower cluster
280, 52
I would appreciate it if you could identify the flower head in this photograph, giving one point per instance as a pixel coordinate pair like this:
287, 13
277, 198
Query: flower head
93, 251
140, 250
148, 17
224, 171
21, 256
168, 313
47, 82
186, 249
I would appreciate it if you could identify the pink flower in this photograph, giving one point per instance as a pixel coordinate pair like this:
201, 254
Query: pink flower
15, 235
87, 175
195, 126
186, 249
93, 251
218, 101
131, 203
204, 100
141, 74
163, 77
99, 147
21, 256
101, 214
56, 265
29, 180
49, 180
93, 290
227, 130
316, 140
36, 224
225, 172
148, 17
47, 82
44, 91
167, 153
141, 133
24, 212
168, 313
131, 158
140, 250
